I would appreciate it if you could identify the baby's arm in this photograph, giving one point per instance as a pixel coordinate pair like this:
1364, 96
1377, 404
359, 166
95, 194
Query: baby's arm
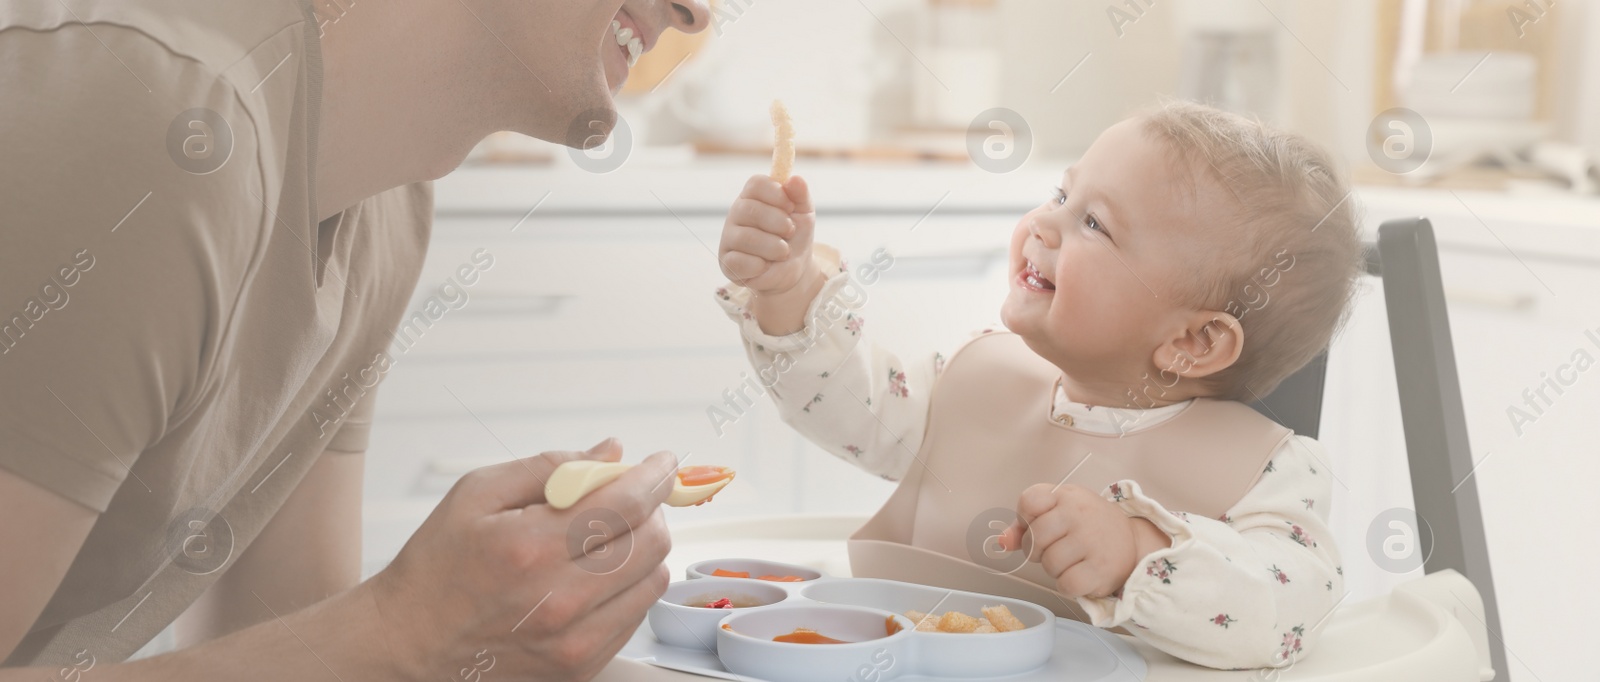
800, 315
1246, 590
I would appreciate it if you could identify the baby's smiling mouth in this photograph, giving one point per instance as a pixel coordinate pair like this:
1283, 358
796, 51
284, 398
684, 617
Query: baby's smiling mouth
1032, 277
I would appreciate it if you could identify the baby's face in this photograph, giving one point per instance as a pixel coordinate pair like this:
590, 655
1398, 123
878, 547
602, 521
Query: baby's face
1095, 275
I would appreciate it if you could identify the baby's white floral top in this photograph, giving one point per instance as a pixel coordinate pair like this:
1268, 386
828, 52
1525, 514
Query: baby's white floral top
1245, 590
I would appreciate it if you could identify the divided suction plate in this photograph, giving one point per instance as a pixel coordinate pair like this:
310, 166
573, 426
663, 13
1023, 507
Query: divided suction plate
737, 643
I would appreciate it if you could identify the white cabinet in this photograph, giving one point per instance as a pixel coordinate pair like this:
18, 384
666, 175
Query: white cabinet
1510, 332
596, 324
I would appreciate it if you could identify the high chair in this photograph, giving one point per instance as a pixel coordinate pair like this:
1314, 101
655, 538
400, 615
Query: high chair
1433, 628
1407, 259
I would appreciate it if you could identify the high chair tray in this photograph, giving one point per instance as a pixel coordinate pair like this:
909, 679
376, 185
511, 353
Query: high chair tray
881, 644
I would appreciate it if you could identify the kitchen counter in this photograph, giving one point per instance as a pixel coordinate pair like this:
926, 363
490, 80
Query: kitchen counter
1570, 225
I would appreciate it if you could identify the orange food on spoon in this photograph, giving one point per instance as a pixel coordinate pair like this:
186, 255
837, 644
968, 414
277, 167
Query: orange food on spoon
703, 474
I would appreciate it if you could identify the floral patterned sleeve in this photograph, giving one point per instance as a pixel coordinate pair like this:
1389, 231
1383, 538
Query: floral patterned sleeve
1245, 590
832, 384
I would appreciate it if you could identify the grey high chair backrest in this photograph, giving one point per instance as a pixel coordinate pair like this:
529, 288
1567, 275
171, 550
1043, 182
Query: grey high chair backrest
1446, 500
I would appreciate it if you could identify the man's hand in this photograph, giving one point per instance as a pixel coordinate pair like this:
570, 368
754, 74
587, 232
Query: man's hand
496, 575
1086, 543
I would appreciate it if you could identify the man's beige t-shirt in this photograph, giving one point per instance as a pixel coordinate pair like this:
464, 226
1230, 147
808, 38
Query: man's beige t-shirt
179, 338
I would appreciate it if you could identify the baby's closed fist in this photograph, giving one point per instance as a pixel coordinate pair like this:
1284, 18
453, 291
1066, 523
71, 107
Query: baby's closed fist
766, 240
1083, 541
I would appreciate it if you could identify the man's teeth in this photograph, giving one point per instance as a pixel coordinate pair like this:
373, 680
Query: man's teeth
626, 39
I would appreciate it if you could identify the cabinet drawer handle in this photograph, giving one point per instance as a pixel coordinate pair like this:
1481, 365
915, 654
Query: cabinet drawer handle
943, 266
1478, 298
535, 305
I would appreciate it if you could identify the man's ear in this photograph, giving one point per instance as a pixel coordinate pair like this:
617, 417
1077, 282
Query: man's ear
1209, 342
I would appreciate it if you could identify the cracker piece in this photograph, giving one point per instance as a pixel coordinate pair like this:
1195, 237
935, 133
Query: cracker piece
1001, 618
782, 142
956, 621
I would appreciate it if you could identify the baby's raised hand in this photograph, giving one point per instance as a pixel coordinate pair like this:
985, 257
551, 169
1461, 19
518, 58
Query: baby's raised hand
1085, 542
766, 241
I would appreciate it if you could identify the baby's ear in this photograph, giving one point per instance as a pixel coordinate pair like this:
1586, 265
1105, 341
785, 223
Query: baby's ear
1210, 342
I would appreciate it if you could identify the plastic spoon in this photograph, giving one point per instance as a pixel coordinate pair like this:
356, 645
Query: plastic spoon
573, 480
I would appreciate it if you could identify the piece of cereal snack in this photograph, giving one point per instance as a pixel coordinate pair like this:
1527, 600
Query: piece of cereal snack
1000, 617
956, 621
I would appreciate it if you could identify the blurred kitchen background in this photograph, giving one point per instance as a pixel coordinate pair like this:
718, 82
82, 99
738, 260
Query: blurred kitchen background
598, 319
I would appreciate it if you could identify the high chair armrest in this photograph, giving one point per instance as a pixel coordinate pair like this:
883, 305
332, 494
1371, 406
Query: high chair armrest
1452, 592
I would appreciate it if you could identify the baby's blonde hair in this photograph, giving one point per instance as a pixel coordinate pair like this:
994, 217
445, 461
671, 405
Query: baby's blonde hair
1288, 202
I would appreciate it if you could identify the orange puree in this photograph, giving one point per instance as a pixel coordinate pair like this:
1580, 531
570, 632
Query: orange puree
702, 475
804, 636
722, 573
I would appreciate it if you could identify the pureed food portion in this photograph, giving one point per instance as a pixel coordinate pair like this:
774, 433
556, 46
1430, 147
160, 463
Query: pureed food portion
720, 573
809, 636
716, 601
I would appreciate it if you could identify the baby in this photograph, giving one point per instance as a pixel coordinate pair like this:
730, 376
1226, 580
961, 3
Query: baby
1188, 263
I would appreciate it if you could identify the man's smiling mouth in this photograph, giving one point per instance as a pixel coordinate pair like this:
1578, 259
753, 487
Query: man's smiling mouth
631, 45
1031, 277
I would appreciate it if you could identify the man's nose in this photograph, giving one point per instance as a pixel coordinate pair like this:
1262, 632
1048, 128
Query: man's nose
690, 16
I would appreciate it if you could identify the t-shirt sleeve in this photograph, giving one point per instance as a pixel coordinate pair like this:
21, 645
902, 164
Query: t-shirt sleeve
355, 430
118, 265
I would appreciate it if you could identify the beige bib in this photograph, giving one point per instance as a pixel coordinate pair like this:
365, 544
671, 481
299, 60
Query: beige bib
990, 436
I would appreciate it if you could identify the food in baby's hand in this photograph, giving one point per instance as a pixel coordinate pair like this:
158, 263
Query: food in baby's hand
995, 619
782, 142
573, 480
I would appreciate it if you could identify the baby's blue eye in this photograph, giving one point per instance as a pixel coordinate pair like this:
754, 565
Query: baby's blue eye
1060, 197
1093, 223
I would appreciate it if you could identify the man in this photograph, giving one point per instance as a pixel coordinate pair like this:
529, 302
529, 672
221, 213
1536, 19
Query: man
212, 216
